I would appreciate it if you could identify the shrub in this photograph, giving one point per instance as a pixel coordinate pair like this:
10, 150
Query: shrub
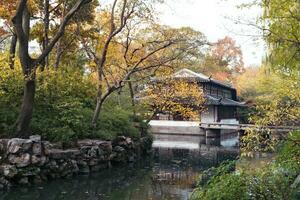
270, 183
64, 103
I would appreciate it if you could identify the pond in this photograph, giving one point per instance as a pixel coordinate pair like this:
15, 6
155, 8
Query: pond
171, 173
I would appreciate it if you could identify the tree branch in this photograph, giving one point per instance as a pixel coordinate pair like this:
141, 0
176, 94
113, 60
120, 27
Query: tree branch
61, 29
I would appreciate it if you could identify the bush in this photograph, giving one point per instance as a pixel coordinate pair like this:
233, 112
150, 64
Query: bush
270, 183
63, 109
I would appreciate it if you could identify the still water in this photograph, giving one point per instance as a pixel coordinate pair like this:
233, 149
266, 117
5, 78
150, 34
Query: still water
170, 174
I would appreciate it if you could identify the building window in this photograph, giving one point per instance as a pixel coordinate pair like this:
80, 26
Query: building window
227, 94
214, 91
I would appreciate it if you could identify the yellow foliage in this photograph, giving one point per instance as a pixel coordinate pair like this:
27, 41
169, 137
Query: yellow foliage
176, 97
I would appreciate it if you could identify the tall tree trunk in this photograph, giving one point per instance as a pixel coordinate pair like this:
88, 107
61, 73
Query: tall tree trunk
24, 118
59, 43
100, 100
12, 51
23, 121
97, 111
21, 22
132, 96
58, 54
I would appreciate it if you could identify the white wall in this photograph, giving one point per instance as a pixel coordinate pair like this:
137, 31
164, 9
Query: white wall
209, 115
175, 127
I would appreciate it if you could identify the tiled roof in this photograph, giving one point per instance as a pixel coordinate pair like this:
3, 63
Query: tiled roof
189, 74
212, 100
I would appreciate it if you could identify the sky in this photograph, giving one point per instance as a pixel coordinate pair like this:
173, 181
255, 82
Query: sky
216, 19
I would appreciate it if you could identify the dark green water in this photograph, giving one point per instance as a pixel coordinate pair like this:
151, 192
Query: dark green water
170, 174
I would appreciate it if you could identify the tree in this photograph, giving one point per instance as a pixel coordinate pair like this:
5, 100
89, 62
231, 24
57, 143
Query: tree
186, 49
280, 23
174, 96
21, 22
51, 14
224, 60
122, 51
275, 85
247, 83
7, 9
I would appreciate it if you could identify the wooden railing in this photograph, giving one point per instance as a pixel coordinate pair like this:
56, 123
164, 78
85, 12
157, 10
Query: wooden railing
216, 125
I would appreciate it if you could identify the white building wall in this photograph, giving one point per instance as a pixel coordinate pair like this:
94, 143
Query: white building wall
209, 115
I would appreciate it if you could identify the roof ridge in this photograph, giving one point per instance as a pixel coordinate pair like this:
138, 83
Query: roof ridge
202, 76
192, 72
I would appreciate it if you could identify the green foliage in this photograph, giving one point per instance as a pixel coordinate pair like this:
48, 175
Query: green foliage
64, 103
281, 24
208, 175
220, 183
227, 187
10, 93
272, 182
277, 102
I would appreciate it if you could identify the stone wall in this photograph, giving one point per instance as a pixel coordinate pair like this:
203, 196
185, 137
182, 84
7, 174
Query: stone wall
31, 161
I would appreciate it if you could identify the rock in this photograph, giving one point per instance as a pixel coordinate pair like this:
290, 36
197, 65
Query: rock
57, 145
16, 145
68, 168
89, 142
74, 166
29, 171
38, 160
43, 161
22, 160
119, 154
52, 165
33, 160
97, 168
9, 171
23, 181
128, 141
86, 142
4, 183
63, 154
35, 138
84, 150
37, 148
83, 167
118, 149
93, 152
47, 147
93, 162
120, 141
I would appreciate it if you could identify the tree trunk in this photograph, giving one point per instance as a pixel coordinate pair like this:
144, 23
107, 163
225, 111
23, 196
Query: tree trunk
24, 118
59, 43
132, 97
21, 22
100, 98
97, 111
12, 51
23, 121
58, 54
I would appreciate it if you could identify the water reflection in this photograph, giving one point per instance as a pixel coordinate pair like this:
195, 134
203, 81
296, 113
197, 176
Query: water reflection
170, 174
